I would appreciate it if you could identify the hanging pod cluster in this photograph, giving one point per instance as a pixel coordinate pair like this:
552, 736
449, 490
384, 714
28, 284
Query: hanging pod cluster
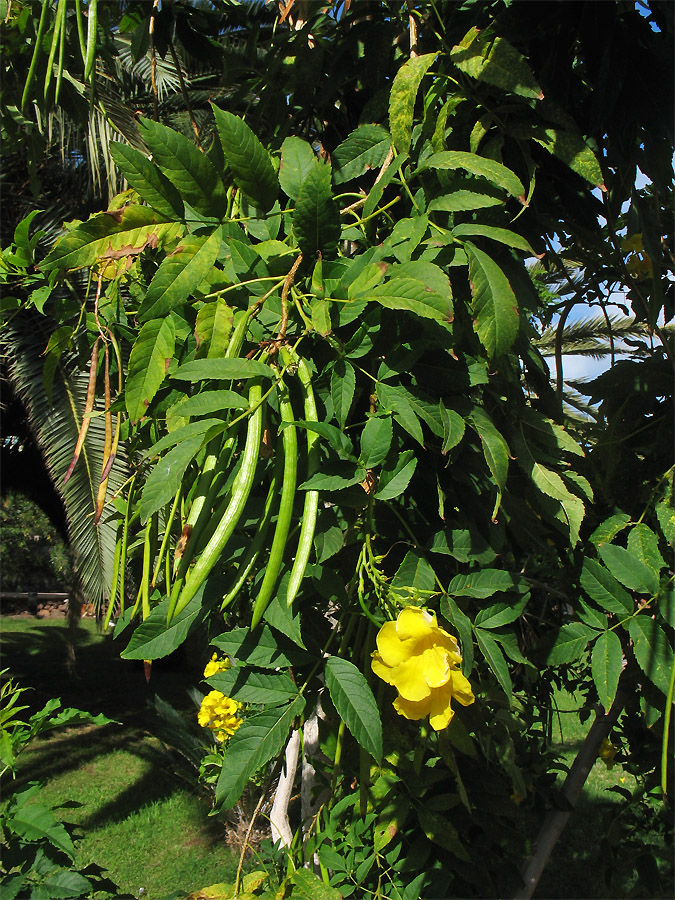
237, 467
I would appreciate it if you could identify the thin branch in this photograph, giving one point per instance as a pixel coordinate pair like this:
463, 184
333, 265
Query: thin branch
153, 58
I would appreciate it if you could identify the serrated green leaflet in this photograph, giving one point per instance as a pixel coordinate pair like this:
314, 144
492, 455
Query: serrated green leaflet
495, 659
253, 744
606, 664
484, 583
342, 387
415, 574
652, 650
265, 648
183, 433
462, 625
36, 823
500, 614
213, 328
602, 586
148, 182
109, 235
309, 886
573, 151
495, 306
629, 569
570, 643
394, 400
165, 478
316, 220
355, 704
191, 172
462, 200
247, 159
179, 274
210, 402
222, 369
376, 441
402, 99
453, 427
365, 148
153, 639
297, 160
644, 545
502, 235
148, 362
493, 171
608, 530
495, 448
393, 484
254, 687
492, 59
413, 295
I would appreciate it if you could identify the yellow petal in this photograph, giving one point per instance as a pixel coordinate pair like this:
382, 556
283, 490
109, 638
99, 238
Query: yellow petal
411, 709
379, 668
414, 623
441, 711
410, 680
461, 689
435, 665
391, 649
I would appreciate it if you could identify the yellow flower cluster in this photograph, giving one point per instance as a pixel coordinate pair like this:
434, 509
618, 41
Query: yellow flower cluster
219, 713
215, 665
639, 262
421, 661
607, 752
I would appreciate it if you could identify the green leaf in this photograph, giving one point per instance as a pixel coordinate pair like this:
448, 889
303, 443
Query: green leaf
602, 587
606, 664
247, 159
652, 650
342, 387
253, 744
571, 148
310, 887
483, 583
500, 614
462, 625
65, 883
442, 832
453, 427
644, 545
365, 148
337, 439
495, 659
109, 235
503, 235
493, 171
184, 433
36, 822
147, 180
150, 356
629, 570
355, 704
413, 295
666, 516
254, 687
222, 369
402, 99
376, 441
376, 191
209, 402
495, 448
414, 575
320, 313
179, 274
393, 400
154, 639
570, 643
261, 648
297, 161
491, 59
190, 171
316, 220
166, 476
464, 199
393, 484
326, 481
608, 530
495, 306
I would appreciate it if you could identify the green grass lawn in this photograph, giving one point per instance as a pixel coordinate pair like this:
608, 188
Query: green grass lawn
140, 814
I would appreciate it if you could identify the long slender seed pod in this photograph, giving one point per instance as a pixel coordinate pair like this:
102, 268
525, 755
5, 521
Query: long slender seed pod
107, 443
62, 45
88, 407
148, 554
311, 508
240, 493
165, 539
42, 24
125, 540
80, 30
91, 39
115, 578
59, 29
258, 541
280, 539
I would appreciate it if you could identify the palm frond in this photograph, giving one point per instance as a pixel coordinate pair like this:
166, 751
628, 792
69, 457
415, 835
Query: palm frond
56, 425
591, 336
